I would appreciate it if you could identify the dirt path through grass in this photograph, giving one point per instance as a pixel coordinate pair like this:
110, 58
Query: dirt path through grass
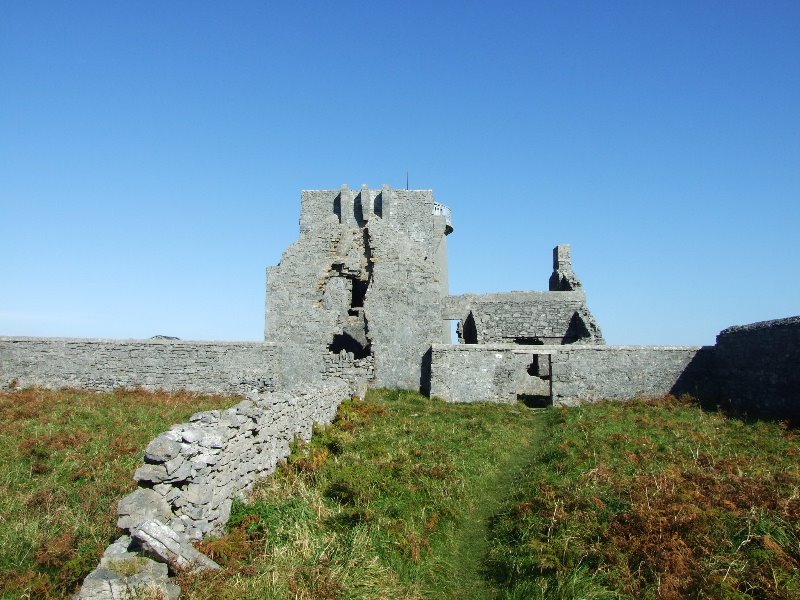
468, 545
390, 501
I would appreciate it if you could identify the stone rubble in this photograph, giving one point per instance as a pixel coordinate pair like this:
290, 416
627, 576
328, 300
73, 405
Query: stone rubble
168, 546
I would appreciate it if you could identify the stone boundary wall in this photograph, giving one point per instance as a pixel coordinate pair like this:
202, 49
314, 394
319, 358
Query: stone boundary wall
758, 368
190, 477
483, 372
576, 373
590, 373
171, 365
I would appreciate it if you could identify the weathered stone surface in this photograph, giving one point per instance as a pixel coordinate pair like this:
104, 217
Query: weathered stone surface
588, 373
141, 505
162, 449
122, 576
171, 547
151, 473
567, 375
208, 367
758, 368
365, 279
524, 318
563, 278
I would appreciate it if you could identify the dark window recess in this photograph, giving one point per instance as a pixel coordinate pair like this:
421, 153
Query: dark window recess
469, 332
337, 207
343, 341
540, 366
359, 292
576, 330
533, 368
528, 341
532, 401
360, 208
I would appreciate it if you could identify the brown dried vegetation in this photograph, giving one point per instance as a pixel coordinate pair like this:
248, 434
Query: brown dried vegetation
658, 500
68, 456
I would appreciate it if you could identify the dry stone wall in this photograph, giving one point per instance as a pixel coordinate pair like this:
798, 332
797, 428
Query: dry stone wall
208, 367
193, 472
588, 373
758, 368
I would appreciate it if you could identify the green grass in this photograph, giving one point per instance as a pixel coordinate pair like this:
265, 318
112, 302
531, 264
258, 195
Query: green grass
410, 497
653, 500
391, 501
67, 458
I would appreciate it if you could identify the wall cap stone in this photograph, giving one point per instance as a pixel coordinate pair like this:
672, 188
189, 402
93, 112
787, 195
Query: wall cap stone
128, 341
771, 324
555, 348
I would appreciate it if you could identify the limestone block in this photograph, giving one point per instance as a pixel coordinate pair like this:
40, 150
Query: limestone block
182, 472
141, 505
213, 439
171, 547
165, 447
111, 583
151, 473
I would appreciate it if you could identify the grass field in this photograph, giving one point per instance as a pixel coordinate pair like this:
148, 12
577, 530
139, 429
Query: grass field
653, 500
67, 458
407, 497
388, 502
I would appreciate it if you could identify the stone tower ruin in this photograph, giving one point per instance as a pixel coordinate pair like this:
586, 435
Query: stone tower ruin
360, 293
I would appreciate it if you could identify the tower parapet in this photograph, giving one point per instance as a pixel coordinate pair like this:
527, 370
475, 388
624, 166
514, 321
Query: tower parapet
405, 209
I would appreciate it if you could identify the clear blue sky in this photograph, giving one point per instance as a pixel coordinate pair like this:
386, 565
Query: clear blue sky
152, 154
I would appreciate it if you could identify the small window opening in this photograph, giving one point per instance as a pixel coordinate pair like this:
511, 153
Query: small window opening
469, 332
454, 325
359, 293
344, 341
540, 366
337, 207
576, 330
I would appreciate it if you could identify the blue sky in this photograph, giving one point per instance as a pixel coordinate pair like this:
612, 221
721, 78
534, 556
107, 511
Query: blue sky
152, 154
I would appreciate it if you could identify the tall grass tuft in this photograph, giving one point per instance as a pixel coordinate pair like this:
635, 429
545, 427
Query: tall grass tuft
68, 457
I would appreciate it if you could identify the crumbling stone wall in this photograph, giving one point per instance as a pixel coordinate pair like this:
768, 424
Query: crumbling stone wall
559, 316
208, 367
758, 368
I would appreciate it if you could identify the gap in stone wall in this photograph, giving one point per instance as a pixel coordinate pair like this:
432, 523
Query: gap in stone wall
535, 401
469, 332
576, 330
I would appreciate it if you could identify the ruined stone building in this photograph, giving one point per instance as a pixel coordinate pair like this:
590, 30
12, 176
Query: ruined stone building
361, 300
363, 293
362, 297
361, 290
